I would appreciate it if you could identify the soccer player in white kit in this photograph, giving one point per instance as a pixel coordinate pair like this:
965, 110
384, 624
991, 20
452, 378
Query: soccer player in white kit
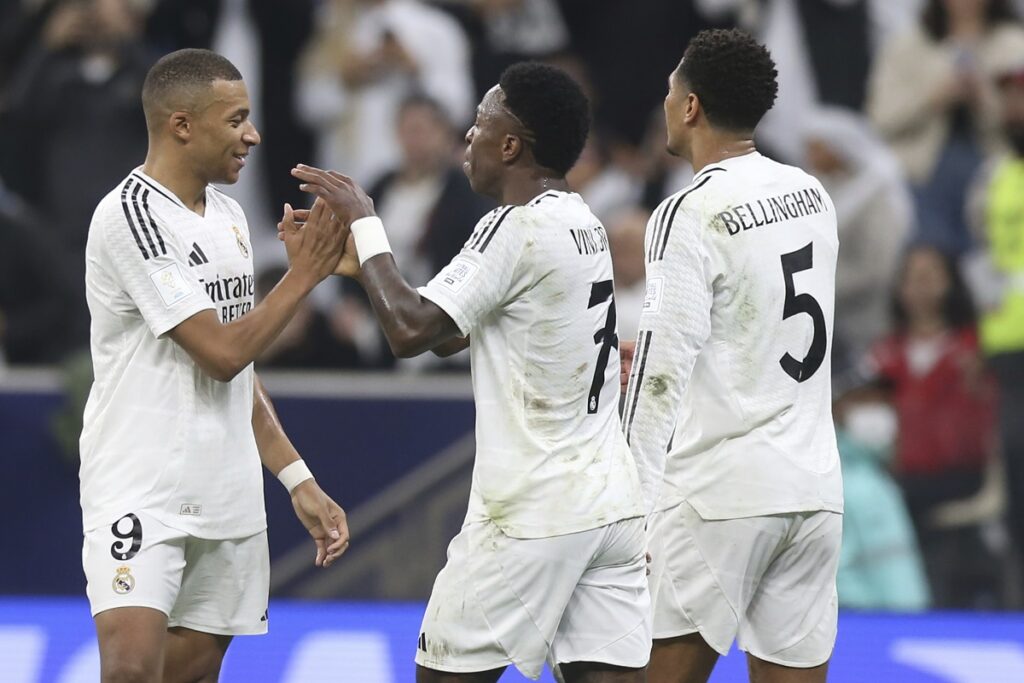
550, 561
730, 377
176, 425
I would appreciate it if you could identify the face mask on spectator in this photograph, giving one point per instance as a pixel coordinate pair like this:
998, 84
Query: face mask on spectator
872, 424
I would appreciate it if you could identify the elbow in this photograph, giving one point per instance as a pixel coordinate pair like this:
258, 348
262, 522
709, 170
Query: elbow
224, 368
408, 340
404, 344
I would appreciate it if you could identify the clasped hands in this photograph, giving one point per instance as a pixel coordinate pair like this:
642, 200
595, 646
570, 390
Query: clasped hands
339, 202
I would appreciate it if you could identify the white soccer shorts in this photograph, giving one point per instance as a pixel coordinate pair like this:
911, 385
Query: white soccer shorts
769, 582
580, 597
219, 587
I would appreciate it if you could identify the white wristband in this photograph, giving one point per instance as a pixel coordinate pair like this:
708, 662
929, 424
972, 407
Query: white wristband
370, 238
294, 474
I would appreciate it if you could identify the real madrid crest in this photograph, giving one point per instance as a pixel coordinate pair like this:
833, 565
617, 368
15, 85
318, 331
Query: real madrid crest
241, 242
123, 582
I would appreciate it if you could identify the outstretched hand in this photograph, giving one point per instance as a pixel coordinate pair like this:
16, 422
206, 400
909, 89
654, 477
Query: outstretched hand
345, 198
324, 519
313, 239
294, 219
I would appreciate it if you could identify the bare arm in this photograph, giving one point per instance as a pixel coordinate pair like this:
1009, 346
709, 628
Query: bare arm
322, 517
411, 324
223, 350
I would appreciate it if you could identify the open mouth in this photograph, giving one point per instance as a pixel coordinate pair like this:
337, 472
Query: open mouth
240, 158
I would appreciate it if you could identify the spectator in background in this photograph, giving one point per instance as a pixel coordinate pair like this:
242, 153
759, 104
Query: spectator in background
880, 565
76, 114
997, 267
945, 404
875, 213
504, 32
932, 96
365, 58
823, 50
429, 205
426, 199
626, 229
605, 186
75, 122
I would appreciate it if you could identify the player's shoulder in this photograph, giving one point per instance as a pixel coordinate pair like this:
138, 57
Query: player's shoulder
692, 199
705, 183
121, 204
505, 220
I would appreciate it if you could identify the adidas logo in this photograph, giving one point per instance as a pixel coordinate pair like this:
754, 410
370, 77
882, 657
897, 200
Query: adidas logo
197, 257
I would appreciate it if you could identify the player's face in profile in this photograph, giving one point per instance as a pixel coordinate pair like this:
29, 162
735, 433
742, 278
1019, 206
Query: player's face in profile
675, 109
224, 134
484, 141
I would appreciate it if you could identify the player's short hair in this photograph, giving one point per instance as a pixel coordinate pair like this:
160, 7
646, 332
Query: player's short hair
176, 79
553, 108
733, 75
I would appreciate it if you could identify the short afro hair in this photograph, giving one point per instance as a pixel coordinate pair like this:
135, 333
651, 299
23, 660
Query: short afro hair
733, 75
554, 109
177, 77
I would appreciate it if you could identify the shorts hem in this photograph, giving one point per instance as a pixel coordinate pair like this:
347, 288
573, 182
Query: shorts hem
220, 630
597, 657
146, 605
477, 668
788, 663
665, 635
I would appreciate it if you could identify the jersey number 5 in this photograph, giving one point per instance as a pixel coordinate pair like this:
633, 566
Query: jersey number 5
792, 263
606, 336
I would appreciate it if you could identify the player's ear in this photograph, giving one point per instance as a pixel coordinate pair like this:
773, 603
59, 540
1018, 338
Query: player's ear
692, 108
511, 148
180, 125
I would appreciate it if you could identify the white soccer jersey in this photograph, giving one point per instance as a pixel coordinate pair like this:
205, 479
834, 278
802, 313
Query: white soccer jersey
160, 435
533, 288
731, 376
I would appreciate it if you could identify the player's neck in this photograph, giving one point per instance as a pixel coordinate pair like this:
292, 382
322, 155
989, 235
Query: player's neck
717, 147
179, 179
521, 190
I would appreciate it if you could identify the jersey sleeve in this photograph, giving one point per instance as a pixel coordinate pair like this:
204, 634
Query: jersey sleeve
146, 260
479, 278
674, 325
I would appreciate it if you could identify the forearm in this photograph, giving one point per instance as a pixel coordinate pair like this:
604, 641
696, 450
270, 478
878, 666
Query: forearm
275, 448
224, 350
411, 324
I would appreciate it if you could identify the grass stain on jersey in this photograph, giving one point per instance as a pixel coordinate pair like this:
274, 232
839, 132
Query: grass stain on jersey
579, 372
658, 385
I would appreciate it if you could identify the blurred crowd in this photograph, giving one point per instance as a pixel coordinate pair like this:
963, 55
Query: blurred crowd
911, 112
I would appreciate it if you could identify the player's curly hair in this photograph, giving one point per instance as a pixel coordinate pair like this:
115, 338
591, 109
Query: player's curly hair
733, 75
554, 109
181, 72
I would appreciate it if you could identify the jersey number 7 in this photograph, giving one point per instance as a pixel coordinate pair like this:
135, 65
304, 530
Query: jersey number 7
792, 263
606, 336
